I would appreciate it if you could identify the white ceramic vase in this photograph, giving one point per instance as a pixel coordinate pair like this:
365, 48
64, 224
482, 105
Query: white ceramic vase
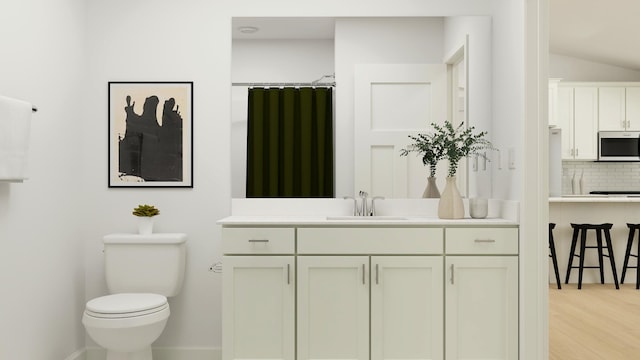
431, 191
145, 225
450, 205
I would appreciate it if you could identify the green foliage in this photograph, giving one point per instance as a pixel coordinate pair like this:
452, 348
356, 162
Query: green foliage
447, 142
146, 210
430, 146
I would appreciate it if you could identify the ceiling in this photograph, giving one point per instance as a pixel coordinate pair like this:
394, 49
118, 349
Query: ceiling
285, 28
596, 30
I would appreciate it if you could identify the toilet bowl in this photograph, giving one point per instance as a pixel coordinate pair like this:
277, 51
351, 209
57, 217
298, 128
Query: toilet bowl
141, 271
126, 324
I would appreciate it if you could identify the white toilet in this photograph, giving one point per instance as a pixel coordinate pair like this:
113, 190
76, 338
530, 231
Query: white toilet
141, 272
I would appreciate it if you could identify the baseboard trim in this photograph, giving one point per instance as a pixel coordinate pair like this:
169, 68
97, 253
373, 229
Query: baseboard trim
164, 353
78, 355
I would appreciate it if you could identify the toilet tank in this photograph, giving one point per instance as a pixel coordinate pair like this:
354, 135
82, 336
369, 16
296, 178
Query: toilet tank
152, 263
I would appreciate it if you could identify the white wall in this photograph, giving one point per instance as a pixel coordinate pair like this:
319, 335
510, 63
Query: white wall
478, 57
508, 96
41, 265
41, 220
570, 68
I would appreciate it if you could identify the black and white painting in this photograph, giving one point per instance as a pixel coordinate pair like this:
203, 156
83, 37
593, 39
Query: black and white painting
150, 134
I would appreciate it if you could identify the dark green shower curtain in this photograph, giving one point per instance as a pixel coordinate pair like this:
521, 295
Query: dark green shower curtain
290, 142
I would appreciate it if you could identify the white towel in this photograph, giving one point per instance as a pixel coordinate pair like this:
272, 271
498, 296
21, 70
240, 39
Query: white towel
15, 125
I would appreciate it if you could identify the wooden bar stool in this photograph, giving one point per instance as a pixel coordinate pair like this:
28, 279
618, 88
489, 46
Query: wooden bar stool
581, 230
552, 253
632, 231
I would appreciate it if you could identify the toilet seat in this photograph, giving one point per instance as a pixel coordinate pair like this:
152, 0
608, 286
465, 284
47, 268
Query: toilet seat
126, 305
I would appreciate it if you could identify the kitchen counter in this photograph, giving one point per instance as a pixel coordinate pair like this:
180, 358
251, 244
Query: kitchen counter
592, 209
360, 221
595, 199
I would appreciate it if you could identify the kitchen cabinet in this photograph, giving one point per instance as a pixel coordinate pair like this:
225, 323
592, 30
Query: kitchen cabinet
578, 118
553, 102
370, 292
619, 108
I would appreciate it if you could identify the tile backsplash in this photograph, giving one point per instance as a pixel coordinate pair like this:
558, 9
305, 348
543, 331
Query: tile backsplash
599, 176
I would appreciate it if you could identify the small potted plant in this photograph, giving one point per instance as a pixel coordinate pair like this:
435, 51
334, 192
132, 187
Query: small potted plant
145, 214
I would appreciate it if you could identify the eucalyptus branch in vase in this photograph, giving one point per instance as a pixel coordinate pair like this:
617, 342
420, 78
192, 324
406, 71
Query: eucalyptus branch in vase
430, 147
459, 143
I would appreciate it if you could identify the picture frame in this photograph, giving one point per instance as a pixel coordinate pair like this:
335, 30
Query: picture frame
150, 134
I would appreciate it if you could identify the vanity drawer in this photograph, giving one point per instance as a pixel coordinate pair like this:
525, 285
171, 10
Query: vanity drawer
258, 240
370, 241
481, 241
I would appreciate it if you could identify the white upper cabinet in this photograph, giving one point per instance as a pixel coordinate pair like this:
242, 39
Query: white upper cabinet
619, 107
553, 102
611, 108
578, 118
633, 108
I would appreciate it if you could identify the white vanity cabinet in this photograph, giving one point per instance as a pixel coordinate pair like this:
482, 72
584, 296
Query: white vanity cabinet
258, 296
481, 293
370, 292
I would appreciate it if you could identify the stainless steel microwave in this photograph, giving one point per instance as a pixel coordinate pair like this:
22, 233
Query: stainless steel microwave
619, 146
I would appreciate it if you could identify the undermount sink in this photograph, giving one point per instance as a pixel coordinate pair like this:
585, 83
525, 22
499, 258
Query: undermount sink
366, 218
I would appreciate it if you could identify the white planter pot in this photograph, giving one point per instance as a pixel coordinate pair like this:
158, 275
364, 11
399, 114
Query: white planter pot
145, 225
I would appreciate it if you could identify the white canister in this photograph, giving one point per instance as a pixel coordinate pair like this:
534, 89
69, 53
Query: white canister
478, 208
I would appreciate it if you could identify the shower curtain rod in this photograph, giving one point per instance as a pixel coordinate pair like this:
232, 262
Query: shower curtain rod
281, 84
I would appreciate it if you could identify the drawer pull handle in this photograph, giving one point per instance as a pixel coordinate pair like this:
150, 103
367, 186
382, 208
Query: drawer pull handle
363, 283
485, 240
288, 274
377, 273
258, 240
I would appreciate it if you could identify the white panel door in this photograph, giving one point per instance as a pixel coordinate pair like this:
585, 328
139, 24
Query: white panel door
392, 102
406, 308
633, 108
585, 135
481, 302
333, 308
259, 307
611, 109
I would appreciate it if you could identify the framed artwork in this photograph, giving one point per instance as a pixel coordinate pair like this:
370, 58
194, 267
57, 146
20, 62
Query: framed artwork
150, 134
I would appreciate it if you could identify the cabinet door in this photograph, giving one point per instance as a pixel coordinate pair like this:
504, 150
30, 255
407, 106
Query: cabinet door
259, 307
333, 307
406, 307
481, 302
633, 108
565, 119
585, 123
611, 108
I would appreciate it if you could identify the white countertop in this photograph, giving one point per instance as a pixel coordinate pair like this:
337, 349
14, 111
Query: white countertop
360, 221
595, 199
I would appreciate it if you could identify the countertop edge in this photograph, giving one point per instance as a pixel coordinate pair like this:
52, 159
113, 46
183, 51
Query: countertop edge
322, 221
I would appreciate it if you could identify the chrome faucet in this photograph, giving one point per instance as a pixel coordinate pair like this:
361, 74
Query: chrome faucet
373, 204
355, 204
363, 196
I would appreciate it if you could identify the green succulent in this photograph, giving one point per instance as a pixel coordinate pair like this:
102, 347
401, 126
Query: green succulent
146, 210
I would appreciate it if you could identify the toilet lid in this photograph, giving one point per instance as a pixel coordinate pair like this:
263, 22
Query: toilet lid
125, 303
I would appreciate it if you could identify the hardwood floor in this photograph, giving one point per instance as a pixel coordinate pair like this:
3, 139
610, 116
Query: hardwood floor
597, 322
